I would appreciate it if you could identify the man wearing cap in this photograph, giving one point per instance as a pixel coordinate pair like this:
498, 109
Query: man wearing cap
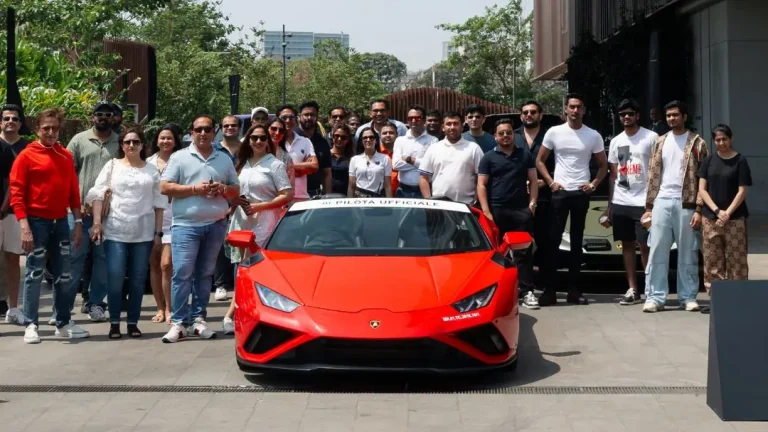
92, 149
260, 116
117, 118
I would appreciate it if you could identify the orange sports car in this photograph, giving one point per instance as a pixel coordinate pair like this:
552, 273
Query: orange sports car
382, 284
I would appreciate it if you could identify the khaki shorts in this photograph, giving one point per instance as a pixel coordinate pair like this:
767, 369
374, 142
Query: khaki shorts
10, 235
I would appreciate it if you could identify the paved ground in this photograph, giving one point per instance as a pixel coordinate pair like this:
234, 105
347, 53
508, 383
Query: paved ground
599, 346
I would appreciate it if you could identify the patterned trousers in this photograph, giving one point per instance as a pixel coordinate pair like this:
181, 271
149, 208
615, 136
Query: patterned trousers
725, 250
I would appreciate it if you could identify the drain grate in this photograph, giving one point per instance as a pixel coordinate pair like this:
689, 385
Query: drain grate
521, 390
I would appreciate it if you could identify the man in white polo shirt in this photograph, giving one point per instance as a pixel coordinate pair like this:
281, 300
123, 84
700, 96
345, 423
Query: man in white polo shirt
451, 164
574, 145
301, 150
410, 150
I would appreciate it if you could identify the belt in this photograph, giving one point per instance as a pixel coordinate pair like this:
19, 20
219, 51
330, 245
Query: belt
408, 187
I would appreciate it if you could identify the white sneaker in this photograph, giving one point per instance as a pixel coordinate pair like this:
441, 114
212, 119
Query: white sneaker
30, 335
692, 306
15, 316
200, 328
530, 301
52, 321
228, 326
96, 314
175, 334
71, 331
651, 307
221, 294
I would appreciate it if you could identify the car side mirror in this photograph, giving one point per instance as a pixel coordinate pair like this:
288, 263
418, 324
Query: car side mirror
243, 240
517, 240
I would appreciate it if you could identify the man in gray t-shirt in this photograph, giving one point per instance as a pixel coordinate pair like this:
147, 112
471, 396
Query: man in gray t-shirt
475, 118
200, 180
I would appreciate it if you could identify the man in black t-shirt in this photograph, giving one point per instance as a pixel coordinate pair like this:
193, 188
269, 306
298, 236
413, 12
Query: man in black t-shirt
11, 144
308, 129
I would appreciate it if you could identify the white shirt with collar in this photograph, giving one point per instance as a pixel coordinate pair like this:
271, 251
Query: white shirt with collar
415, 147
369, 174
453, 169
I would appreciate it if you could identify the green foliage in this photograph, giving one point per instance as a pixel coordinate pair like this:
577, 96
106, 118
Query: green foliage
388, 69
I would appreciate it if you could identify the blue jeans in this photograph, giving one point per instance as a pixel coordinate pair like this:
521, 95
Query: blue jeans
671, 224
407, 191
194, 251
51, 237
132, 258
98, 286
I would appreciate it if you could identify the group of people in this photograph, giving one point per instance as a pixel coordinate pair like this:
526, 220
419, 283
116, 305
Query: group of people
115, 207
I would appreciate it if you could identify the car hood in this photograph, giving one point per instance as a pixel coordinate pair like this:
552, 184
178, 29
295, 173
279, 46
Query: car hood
397, 284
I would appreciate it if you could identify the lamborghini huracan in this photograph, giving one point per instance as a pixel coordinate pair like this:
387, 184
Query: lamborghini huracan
378, 284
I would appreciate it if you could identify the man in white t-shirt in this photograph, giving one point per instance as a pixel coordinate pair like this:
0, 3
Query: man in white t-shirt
574, 145
451, 164
301, 150
629, 156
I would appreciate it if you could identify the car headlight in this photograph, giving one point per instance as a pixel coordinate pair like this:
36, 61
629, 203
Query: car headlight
477, 300
274, 300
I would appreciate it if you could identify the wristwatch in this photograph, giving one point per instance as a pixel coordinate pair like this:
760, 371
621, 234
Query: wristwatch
78, 221
532, 204
159, 234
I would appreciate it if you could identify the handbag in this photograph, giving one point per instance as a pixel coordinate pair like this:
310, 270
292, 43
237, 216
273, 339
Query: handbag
107, 194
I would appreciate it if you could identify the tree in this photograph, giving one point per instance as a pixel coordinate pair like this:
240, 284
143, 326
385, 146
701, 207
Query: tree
446, 76
389, 70
493, 52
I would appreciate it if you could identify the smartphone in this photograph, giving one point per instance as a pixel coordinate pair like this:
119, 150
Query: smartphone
244, 205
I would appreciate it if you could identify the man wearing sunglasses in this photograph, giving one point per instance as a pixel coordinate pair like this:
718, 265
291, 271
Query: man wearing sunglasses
301, 150
336, 115
409, 151
475, 117
308, 128
380, 117
11, 144
92, 149
202, 181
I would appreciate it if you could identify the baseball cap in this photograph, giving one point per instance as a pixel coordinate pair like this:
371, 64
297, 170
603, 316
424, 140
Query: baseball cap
117, 109
102, 106
259, 109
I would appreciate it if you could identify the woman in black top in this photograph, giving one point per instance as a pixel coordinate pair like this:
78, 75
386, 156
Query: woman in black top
341, 153
723, 181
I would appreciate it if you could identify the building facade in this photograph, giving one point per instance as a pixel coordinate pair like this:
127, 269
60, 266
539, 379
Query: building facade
707, 52
300, 45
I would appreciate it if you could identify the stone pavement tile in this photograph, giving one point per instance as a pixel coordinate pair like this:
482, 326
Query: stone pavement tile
749, 426
278, 414
327, 420
72, 412
597, 425
432, 401
339, 401
434, 419
122, 412
174, 411
21, 409
227, 411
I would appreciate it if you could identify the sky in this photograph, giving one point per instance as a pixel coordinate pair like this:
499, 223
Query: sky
412, 36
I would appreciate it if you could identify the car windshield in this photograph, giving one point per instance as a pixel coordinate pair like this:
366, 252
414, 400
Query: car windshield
378, 231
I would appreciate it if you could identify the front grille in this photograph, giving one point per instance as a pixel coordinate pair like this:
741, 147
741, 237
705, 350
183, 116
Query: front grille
266, 337
382, 354
596, 245
485, 338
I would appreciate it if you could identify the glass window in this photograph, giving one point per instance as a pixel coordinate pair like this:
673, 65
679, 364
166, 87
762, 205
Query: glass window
379, 231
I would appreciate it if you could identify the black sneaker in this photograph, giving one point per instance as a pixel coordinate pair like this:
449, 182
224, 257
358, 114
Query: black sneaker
548, 298
575, 297
632, 297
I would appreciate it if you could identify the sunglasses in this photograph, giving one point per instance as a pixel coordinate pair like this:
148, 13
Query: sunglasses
9, 119
104, 114
203, 129
379, 111
133, 143
276, 129
530, 112
505, 133
257, 138
414, 118
288, 118
338, 117
339, 136
368, 138
227, 126
49, 128
627, 114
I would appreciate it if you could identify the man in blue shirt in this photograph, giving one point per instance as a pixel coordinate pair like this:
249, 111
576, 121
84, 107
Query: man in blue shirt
200, 180
475, 118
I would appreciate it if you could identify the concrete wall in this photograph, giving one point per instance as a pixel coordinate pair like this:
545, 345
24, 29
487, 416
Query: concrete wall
730, 82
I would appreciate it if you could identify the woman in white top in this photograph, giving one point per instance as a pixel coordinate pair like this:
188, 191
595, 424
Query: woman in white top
277, 134
134, 222
166, 142
370, 172
265, 189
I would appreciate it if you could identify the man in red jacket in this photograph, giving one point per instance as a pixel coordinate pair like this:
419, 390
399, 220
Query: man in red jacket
43, 186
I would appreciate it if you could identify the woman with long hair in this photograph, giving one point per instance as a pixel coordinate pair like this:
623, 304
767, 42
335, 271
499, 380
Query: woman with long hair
133, 225
277, 147
370, 172
164, 144
265, 189
723, 181
342, 151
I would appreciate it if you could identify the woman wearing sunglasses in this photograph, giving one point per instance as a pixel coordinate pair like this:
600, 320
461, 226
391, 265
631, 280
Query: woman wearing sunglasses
277, 135
341, 154
133, 224
370, 172
265, 189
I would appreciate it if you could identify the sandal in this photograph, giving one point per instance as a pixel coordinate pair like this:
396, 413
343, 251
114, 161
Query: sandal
159, 317
133, 331
168, 317
114, 331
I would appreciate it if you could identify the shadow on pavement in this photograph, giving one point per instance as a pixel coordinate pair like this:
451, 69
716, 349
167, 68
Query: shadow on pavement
532, 367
